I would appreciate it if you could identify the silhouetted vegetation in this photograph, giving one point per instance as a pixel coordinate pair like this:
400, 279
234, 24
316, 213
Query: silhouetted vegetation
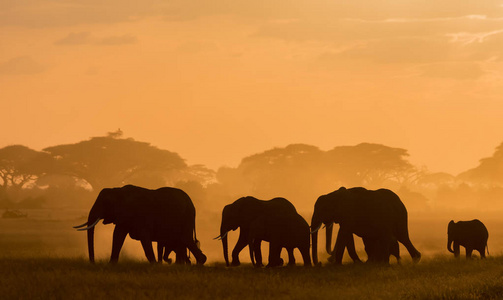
71, 175
440, 278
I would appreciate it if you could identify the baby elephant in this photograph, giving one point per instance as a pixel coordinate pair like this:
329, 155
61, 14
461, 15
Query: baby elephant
470, 234
281, 231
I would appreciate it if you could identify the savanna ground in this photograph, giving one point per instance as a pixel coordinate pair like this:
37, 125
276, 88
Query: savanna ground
43, 257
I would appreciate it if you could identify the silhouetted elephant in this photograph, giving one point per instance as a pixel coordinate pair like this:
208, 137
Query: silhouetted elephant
472, 235
166, 215
372, 250
163, 252
378, 217
240, 214
282, 231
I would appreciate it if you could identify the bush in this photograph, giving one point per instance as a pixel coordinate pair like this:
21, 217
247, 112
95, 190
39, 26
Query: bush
14, 214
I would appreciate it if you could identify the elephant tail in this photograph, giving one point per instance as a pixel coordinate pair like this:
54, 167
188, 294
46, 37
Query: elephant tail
198, 244
487, 247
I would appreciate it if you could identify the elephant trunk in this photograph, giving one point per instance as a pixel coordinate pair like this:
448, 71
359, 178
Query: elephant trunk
449, 245
92, 220
225, 247
315, 226
329, 239
90, 244
314, 237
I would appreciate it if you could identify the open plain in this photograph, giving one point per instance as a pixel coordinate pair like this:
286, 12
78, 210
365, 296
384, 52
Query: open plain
43, 257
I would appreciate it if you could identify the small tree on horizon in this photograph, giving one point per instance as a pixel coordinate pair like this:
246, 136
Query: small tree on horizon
113, 161
21, 166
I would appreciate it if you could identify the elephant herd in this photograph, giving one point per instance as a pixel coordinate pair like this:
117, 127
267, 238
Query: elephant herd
167, 216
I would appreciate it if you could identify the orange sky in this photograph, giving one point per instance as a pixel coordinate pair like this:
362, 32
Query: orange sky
219, 80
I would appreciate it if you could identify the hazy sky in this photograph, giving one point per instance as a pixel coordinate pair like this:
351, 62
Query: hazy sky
217, 80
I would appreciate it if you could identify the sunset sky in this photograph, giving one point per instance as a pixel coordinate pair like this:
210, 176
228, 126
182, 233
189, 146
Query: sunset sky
218, 80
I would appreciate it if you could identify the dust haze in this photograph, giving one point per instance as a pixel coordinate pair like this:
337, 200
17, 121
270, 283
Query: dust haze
44, 193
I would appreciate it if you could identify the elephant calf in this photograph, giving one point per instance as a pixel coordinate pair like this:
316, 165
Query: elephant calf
472, 235
373, 249
282, 231
163, 252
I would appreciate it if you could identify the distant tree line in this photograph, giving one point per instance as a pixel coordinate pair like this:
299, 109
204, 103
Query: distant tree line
71, 175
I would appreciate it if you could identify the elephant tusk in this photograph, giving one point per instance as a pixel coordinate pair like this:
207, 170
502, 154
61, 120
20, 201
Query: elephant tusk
82, 225
221, 236
89, 227
316, 230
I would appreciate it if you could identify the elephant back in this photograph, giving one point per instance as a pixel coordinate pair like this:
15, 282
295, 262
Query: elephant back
165, 213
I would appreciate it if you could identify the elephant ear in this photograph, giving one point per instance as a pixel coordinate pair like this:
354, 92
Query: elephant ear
120, 206
450, 227
105, 199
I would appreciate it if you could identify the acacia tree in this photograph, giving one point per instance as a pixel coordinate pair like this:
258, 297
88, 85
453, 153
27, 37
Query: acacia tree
371, 165
279, 171
489, 171
302, 171
21, 166
113, 161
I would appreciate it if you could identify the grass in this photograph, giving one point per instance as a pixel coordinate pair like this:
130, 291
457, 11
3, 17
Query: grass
64, 278
43, 257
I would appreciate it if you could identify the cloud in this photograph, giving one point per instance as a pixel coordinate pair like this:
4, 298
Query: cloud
193, 47
21, 65
337, 30
79, 38
117, 40
323, 10
457, 70
47, 13
85, 38
396, 51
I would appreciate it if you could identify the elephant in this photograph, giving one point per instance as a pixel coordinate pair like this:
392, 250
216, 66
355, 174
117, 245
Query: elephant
378, 217
472, 235
163, 252
282, 231
370, 248
240, 214
166, 215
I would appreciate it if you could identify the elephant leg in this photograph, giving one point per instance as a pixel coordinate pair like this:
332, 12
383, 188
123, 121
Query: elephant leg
352, 250
482, 251
149, 251
405, 240
166, 256
291, 257
378, 249
395, 250
241, 243
257, 253
369, 249
340, 245
119, 236
160, 250
456, 249
274, 255
306, 256
198, 254
469, 251
181, 256
385, 244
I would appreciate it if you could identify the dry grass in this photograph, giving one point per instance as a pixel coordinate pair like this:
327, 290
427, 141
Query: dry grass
64, 278
42, 257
